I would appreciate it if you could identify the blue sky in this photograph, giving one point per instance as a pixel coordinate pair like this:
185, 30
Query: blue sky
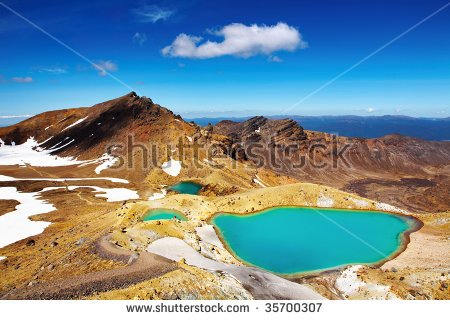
262, 56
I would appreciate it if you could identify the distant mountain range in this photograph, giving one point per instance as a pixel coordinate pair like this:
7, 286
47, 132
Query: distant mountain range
9, 121
436, 129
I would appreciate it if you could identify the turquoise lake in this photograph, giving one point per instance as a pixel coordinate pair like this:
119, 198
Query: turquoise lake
186, 187
290, 240
160, 214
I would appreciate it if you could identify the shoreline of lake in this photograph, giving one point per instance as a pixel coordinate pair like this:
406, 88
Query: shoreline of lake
413, 224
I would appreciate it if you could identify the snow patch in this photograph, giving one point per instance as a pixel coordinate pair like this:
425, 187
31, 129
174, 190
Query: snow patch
1, 258
172, 167
157, 196
108, 161
189, 138
359, 202
259, 181
349, 283
49, 127
324, 201
74, 124
31, 153
7, 178
51, 188
16, 225
208, 234
258, 130
387, 207
40, 144
63, 146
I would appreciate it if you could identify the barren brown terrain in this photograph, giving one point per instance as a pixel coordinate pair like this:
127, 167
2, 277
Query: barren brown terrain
406, 172
95, 246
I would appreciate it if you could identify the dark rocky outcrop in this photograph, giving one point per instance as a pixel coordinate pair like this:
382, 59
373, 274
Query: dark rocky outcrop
257, 129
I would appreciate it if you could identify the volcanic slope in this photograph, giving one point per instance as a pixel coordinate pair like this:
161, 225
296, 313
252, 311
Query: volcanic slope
407, 172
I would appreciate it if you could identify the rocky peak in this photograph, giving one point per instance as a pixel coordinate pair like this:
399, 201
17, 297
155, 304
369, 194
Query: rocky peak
261, 128
258, 120
127, 112
146, 100
209, 128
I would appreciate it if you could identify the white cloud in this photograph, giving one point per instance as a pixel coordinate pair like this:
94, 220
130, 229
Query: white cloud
370, 110
22, 80
274, 59
153, 13
54, 70
239, 40
104, 67
140, 38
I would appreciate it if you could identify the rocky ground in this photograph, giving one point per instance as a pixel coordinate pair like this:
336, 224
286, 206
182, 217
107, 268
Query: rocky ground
65, 261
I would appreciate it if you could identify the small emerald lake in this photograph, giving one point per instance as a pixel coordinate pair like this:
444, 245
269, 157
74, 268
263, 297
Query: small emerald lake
186, 187
161, 214
290, 240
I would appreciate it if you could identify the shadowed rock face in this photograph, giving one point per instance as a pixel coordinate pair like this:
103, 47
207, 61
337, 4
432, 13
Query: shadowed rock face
258, 129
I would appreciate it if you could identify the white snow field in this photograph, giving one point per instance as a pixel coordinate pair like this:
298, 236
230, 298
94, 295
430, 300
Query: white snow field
172, 167
15, 225
31, 153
